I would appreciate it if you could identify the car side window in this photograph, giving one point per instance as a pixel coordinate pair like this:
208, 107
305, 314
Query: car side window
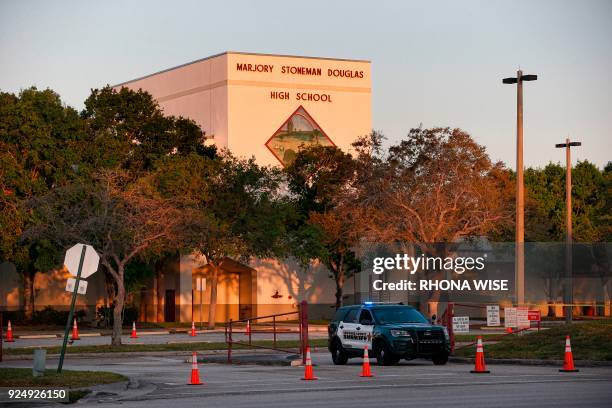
351, 316
366, 318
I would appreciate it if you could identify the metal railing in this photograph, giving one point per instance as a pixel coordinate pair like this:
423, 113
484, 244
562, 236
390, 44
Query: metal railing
302, 315
495, 338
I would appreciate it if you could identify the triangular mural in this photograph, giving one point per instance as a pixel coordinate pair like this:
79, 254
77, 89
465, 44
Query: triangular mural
298, 131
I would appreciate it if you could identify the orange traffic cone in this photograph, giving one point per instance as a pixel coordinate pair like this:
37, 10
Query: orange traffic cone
568, 363
134, 335
75, 330
308, 373
9, 333
195, 373
192, 333
480, 367
248, 328
365, 370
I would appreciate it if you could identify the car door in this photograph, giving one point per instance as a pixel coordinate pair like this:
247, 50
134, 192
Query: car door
347, 329
364, 329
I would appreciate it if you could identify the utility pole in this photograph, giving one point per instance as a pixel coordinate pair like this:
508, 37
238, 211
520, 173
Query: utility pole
568, 287
519, 253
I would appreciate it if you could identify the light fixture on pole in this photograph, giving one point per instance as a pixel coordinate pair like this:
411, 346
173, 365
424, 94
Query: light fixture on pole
519, 257
568, 287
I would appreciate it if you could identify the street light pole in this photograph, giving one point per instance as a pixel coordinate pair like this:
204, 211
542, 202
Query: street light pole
568, 287
519, 253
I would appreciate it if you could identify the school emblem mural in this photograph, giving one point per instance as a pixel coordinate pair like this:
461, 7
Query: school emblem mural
298, 131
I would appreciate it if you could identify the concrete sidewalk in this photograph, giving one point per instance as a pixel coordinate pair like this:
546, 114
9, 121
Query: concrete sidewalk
32, 334
161, 337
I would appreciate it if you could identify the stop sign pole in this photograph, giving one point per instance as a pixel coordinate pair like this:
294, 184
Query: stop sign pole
71, 314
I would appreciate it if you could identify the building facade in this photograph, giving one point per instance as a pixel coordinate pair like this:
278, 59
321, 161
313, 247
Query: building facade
265, 106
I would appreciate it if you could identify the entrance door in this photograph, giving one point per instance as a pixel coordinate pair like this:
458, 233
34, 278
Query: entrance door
244, 294
170, 306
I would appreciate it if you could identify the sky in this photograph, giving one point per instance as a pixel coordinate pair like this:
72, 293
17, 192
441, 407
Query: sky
435, 63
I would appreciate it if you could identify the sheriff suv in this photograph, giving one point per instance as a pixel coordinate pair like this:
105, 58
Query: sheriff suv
391, 332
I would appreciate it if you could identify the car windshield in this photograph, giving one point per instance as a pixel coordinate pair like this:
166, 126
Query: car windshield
388, 315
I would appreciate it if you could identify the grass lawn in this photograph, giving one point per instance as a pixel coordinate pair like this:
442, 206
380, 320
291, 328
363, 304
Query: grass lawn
590, 341
22, 377
474, 337
199, 346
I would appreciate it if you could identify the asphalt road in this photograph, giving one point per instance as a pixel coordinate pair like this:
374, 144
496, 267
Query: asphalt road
159, 382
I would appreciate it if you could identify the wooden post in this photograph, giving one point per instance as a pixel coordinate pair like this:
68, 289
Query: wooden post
229, 343
274, 330
449, 325
520, 196
568, 287
304, 329
519, 257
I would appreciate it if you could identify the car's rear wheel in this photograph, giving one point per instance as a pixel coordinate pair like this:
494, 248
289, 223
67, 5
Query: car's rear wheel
339, 354
440, 359
384, 356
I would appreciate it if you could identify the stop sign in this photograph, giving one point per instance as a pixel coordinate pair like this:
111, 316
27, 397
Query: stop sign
90, 263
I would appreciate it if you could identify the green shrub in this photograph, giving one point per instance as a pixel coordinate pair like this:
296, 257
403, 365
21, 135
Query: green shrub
52, 316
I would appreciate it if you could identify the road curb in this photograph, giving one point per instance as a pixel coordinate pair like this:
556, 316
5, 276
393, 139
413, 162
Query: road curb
532, 362
37, 336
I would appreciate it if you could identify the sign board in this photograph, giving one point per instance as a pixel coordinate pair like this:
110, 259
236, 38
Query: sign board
522, 317
201, 284
493, 315
510, 317
82, 286
90, 263
534, 316
461, 324
82, 261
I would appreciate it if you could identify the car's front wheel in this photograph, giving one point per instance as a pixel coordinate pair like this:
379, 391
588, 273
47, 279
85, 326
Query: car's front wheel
440, 359
339, 355
384, 356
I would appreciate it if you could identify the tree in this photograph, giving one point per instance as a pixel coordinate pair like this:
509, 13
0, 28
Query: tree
436, 186
48, 148
122, 217
321, 179
428, 191
545, 203
232, 206
127, 129
591, 209
40, 142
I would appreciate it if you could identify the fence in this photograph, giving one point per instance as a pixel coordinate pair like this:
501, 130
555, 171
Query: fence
302, 315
